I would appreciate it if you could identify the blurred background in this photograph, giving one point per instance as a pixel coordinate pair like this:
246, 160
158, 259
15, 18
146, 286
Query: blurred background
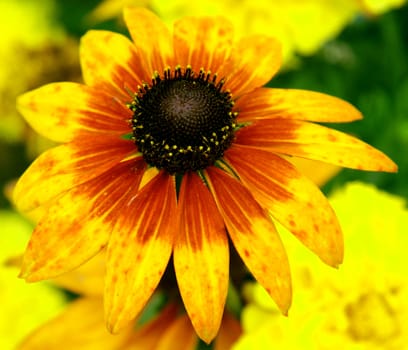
354, 49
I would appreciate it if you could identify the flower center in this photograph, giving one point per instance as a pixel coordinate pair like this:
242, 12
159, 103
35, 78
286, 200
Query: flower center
371, 317
183, 121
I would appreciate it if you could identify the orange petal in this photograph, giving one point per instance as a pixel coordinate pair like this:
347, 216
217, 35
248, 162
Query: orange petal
313, 141
80, 327
152, 39
291, 198
139, 250
111, 63
77, 226
63, 111
229, 333
64, 167
254, 236
253, 62
265, 103
88, 279
180, 335
203, 42
201, 257
150, 334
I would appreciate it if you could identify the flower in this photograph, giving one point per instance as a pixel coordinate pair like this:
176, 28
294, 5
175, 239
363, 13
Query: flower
42, 299
189, 112
35, 52
361, 306
302, 27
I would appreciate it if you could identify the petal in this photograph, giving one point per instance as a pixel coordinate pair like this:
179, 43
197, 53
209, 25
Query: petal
88, 279
254, 236
149, 335
139, 250
202, 42
201, 257
229, 333
265, 103
110, 63
179, 332
291, 198
152, 39
64, 111
319, 172
80, 327
253, 62
77, 226
308, 140
64, 167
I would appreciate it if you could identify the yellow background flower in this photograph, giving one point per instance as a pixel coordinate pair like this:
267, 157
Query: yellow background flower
363, 305
23, 306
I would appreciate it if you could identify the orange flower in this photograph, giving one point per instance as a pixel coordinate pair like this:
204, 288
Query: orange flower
190, 104
81, 326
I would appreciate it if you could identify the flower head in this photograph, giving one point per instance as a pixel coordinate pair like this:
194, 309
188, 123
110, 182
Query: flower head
171, 143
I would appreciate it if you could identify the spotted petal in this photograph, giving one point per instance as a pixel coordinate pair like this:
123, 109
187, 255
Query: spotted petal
291, 198
313, 141
203, 42
265, 103
139, 250
254, 235
64, 111
201, 257
77, 226
64, 167
253, 62
111, 63
152, 39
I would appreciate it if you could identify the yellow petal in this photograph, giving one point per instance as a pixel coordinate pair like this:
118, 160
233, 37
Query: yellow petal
253, 62
88, 279
201, 257
254, 236
308, 140
139, 250
203, 42
265, 103
77, 226
291, 198
152, 39
80, 327
319, 172
64, 167
110, 63
63, 111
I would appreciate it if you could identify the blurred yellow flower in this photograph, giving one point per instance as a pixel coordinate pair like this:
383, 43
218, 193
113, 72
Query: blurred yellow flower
302, 26
364, 305
23, 306
376, 7
35, 50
